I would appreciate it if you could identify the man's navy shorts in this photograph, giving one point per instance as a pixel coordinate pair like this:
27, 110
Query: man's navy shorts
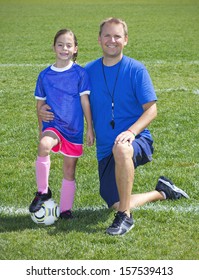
143, 150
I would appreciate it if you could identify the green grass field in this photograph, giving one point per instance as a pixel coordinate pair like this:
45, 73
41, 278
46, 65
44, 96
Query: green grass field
164, 35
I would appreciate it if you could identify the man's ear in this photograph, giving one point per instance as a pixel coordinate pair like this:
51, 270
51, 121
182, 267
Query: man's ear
99, 40
126, 40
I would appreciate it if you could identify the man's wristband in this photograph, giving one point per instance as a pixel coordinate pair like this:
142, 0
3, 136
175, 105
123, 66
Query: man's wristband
132, 132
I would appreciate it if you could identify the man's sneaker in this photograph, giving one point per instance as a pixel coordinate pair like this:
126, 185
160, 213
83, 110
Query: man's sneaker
39, 200
66, 215
121, 224
171, 191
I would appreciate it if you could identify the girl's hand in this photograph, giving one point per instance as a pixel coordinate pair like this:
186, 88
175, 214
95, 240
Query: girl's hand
90, 138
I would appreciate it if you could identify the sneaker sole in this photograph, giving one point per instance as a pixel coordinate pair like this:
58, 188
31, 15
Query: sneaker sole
119, 234
174, 188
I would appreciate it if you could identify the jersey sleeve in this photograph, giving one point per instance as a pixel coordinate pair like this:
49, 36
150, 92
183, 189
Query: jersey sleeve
84, 85
39, 91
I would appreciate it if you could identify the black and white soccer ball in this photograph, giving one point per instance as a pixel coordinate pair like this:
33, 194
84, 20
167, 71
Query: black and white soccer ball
48, 213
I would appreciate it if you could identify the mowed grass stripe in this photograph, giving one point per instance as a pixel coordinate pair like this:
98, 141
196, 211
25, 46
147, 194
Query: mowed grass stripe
147, 62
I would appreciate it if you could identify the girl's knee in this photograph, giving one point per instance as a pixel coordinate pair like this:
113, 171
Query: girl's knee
45, 145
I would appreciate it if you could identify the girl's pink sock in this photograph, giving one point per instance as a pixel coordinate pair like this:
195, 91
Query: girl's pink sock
67, 195
42, 173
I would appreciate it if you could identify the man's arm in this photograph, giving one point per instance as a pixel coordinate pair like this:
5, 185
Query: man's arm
149, 114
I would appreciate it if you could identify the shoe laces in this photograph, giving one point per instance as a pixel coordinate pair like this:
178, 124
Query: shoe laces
118, 218
37, 196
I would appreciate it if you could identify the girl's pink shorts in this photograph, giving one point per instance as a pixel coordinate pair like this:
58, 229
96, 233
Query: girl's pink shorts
64, 146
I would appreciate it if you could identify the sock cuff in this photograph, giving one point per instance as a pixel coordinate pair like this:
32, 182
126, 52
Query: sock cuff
68, 183
43, 159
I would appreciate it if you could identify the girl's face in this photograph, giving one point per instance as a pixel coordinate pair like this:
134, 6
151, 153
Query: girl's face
64, 49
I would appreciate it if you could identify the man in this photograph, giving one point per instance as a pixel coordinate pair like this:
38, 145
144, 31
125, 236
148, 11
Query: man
123, 104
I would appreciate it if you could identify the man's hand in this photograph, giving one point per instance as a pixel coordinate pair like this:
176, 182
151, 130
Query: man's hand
124, 137
45, 114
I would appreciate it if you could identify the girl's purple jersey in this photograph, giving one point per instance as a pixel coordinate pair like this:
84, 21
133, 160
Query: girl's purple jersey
61, 89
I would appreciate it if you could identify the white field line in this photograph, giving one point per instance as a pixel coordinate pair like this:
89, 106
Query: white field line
4, 65
177, 89
175, 62
193, 209
158, 62
152, 62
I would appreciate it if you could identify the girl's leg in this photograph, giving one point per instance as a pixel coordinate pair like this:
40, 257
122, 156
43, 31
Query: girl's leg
42, 165
47, 142
68, 184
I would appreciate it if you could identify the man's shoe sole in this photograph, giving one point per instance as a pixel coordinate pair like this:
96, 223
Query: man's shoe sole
120, 234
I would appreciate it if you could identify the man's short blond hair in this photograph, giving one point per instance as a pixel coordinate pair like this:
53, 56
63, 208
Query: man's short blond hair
114, 20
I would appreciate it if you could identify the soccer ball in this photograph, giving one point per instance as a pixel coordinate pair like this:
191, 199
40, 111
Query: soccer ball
47, 214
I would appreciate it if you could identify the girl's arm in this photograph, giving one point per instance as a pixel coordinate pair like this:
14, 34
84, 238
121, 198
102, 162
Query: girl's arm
87, 113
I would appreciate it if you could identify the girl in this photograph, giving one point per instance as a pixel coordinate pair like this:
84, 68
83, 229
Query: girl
64, 87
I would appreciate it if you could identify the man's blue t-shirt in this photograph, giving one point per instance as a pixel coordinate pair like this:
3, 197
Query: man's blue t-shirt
132, 89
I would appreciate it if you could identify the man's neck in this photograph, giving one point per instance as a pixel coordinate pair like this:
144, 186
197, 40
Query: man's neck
110, 61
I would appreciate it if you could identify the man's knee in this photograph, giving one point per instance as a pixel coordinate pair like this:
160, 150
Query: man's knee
122, 151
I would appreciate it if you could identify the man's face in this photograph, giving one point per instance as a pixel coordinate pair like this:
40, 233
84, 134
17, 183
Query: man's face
112, 40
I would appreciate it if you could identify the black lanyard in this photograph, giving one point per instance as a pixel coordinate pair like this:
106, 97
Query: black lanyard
112, 122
